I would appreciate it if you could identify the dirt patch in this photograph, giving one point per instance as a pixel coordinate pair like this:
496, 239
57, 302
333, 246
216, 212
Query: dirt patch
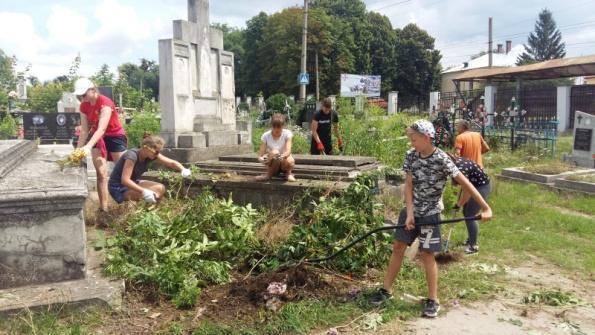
244, 297
505, 314
117, 214
275, 231
567, 211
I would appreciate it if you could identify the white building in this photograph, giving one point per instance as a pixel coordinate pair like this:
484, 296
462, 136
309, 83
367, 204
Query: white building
502, 58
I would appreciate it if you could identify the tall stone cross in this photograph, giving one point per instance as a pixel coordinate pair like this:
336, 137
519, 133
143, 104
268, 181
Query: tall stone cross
196, 77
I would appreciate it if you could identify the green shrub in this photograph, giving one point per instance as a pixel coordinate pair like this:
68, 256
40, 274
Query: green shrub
8, 127
141, 123
336, 221
183, 245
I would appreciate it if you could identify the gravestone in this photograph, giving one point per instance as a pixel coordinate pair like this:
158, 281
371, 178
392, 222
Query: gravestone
583, 143
359, 107
393, 103
197, 92
69, 103
50, 127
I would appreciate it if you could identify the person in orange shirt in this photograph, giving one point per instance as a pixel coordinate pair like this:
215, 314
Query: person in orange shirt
470, 144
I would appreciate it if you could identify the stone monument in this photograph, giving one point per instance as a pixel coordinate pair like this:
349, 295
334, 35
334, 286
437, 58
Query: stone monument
583, 144
197, 92
69, 103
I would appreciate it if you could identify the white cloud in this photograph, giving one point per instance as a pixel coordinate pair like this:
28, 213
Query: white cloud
18, 35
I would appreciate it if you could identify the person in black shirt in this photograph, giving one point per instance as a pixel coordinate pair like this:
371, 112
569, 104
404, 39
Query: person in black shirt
481, 181
321, 129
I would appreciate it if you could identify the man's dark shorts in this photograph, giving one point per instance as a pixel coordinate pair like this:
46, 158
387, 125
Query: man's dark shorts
430, 238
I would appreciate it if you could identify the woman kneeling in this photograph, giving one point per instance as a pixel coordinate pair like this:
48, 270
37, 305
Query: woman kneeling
277, 142
125, 182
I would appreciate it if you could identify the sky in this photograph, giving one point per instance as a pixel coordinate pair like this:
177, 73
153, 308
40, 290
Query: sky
48, 35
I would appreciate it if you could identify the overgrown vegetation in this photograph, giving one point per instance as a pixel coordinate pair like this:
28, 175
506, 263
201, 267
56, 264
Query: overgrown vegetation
336, 221
141, 123
8, 127
551, 167
589, 178
183, 246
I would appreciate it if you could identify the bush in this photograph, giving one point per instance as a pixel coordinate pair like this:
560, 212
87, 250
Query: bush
44, 98
337, 221
183, 245
8, 128
141, 123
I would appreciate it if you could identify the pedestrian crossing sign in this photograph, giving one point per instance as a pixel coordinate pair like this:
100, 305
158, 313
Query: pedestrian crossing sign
303, 78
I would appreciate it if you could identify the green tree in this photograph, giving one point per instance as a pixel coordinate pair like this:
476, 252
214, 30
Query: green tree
418, 70
281, 49
544, 43
103, 77
7, 77
252, 70
383, 58
143, 77
44, 98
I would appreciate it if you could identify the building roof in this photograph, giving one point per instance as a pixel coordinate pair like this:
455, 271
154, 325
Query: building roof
498, 60
556, 68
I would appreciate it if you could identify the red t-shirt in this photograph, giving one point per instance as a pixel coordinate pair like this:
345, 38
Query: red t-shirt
114, 127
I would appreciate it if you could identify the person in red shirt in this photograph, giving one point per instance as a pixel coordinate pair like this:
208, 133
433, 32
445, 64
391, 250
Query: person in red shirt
107, 142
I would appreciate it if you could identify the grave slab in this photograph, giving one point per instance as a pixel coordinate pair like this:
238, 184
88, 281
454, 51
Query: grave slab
42, 232
519, 174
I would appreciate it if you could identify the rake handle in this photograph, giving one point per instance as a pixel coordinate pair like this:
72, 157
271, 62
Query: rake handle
391, 227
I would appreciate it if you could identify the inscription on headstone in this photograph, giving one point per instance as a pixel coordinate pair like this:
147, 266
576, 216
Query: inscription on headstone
582, 139
50, 126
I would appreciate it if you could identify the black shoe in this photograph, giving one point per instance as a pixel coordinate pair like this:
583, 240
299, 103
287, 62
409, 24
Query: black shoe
431, 308
380, 296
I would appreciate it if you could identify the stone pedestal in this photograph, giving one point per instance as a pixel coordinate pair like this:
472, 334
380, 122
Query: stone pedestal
563, 107
42, 231
393, 103
490, 103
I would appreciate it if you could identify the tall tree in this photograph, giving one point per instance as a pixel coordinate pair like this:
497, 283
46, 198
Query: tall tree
544, 43
418, 70
253, 68
383, 59
144, 76
7, 77
103, 77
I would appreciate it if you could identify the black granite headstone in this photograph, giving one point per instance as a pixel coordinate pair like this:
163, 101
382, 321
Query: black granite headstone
50, 127
582, 139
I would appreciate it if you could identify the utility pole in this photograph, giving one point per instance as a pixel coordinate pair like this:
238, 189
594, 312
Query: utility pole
317, 80
490, 43
304, 50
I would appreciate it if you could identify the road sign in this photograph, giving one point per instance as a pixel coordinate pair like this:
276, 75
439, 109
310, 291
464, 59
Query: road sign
303, 78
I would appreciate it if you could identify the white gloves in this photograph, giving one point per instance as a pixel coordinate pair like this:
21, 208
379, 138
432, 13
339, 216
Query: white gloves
149, 196
186, 173
87, 151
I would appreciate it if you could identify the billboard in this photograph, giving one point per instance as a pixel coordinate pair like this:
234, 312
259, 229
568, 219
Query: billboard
353, 85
